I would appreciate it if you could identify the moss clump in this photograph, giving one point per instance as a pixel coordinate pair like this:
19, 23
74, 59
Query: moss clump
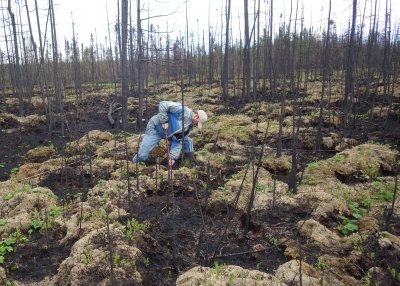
40, 154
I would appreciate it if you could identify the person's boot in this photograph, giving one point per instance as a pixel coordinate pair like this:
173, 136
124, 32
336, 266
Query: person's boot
189, 160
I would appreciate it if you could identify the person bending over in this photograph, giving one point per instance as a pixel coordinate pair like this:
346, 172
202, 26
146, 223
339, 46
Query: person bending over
168, 124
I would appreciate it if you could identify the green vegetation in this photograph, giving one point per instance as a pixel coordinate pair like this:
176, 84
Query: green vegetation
87, 257
394, 273
361, 200
7, 244
134, 226
314, 165
224, 193
119, 261
122, 134
338, 157
349, 225
384, 190
260, 186
26, 188
47, 222
146, 261
321, 264
216, 269
203, 152
311, 180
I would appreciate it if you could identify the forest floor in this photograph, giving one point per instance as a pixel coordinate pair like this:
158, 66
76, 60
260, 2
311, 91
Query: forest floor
197, 219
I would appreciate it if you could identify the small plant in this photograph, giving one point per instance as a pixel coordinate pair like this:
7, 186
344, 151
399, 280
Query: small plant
323, 265
347, 225
338, 157
367, 279
372, 255
217, 269
2, 221
359, 244
134, 226
51, 216
260, 186
6, 246
357, 210
122, 134
310, 180
2, 165
36, 224
7, 243
146, 261
119, 261
394, 273
224, 194
273, 240
314, 165
88, 256
203, 152
385, 191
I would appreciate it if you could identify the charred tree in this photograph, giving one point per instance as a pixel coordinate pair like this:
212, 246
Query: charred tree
225, 69
139, 68
16, 66
325, 74
124, 64
246, 54
349, 70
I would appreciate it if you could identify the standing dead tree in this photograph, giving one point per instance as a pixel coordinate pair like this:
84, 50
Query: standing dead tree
57, 81
246, 54
349, 65
124, 64
140, 78
17, 68
224, 76
42, 75
325, 75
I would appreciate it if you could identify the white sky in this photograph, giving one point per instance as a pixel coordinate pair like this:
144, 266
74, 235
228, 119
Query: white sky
91, 15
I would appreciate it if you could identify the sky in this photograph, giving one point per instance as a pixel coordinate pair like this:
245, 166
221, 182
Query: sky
90, 16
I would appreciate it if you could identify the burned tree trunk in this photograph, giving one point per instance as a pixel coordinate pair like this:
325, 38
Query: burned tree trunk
17, 68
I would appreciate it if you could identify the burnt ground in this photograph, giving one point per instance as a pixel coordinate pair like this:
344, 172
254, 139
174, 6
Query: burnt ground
187, 233
187, 230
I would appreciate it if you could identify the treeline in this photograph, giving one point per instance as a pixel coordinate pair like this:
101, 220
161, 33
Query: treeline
261, 63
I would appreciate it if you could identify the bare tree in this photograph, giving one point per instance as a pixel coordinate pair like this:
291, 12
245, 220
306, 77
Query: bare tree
325, 74
224, 76
139, 68
42, 76
349, 77
246, 53
124, 63
57, 82
77, 65
17, 68
34, 47
111, 54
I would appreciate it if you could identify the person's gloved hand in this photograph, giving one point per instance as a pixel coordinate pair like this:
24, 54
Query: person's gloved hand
165, 126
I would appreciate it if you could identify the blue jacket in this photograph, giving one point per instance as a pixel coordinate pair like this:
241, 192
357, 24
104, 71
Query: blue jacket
171, 112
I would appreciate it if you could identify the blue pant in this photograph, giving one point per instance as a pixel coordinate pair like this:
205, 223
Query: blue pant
151, 139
